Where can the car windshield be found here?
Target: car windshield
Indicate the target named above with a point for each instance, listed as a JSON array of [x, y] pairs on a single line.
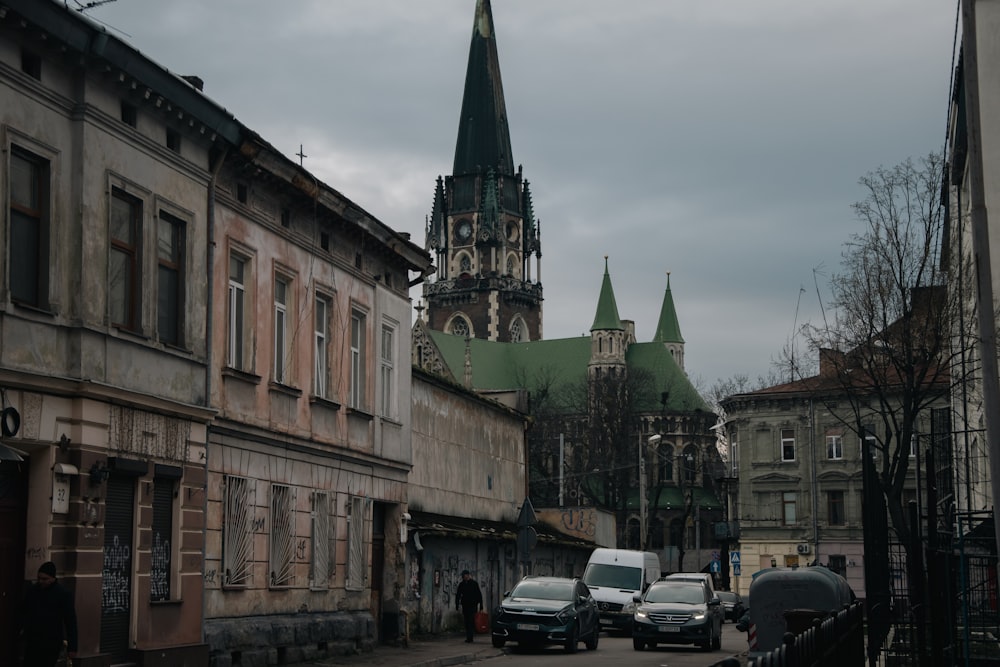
[[544, 590], [613, 576], [685, 594]]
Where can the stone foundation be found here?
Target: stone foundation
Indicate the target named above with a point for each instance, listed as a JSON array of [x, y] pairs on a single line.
[[282, 639]]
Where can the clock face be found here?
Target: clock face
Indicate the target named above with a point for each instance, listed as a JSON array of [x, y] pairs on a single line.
[[464, 230], [512, 231]]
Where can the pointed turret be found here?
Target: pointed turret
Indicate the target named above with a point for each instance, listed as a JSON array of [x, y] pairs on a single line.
[[668, 328], [483, 133], [607, 318], [609, 336]]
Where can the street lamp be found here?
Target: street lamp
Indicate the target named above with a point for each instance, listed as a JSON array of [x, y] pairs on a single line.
[[651, 442]]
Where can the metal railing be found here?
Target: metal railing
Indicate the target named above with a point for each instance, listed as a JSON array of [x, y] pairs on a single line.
[[835, 641]]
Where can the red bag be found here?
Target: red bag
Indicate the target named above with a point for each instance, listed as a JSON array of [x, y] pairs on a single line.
[[482, 622]]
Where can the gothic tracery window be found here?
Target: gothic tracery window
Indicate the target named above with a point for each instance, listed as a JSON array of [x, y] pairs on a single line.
[[460, 327]]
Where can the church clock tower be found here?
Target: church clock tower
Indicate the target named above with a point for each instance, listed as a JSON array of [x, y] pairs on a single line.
[[482, 230]]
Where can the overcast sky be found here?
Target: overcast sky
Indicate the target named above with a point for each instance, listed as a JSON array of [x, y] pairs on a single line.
[[719, 140]]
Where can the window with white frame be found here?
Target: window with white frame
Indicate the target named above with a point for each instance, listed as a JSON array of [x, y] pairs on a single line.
[[239, 275], [834, 447], [282, 542], [787, 444], [321, 562], [388, 371], [237, 531], [282, 345], [321, 347], [356, 554], [788, 508], [28, 247], [358, 363]]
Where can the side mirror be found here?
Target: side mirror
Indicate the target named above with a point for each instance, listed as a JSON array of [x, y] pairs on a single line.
[[636, 598], [715, 601]]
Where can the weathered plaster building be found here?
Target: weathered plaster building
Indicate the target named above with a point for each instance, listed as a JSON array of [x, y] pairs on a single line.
[[202, 361], [799, 464], [973, 247], [105, 180]]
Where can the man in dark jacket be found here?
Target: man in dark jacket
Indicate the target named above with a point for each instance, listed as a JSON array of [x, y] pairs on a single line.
[[47, 619], [470, 598]]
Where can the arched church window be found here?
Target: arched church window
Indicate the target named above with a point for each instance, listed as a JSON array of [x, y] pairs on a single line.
[[510, 266], [465, 264], [667, 465], [518, 331], [690, 464], [460, 327]]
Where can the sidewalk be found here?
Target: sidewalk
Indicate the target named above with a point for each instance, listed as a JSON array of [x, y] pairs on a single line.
[[423, 651]]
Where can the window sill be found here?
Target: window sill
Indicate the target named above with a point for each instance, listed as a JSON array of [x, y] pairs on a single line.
[[279, 388], [131, 333], [391, 420], [324, 402], [237, 374], [166, 603], [358, 412], [38, 310]]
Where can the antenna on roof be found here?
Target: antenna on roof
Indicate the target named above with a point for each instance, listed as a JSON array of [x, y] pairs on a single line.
[[84, 6]]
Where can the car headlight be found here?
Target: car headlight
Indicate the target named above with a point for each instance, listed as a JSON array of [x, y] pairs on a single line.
[[641, 614], [698, 616], [629, 608], [565, 616]]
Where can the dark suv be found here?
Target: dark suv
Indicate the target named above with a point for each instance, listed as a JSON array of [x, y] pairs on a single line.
[[547, 610], [674, 612]]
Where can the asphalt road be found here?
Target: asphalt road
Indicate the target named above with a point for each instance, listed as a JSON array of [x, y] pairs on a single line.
[[618, 651]]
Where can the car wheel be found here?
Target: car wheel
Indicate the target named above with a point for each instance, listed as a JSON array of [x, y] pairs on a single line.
[[571, 639], [638, 644], [498, 642], [593, 639]]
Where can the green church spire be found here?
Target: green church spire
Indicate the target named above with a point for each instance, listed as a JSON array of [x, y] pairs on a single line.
[[483, 133], [607, 309], [668, 329]]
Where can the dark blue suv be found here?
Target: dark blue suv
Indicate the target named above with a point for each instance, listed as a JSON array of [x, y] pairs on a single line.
[[547, 610]]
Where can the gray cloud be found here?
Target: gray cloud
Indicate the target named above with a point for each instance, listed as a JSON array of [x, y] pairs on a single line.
[[720, 140]]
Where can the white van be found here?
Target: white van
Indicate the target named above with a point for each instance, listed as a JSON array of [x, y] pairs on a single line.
[[613, 577]]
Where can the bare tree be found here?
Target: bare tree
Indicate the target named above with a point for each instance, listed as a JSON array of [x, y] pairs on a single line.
[[890, 343], [888, 351]]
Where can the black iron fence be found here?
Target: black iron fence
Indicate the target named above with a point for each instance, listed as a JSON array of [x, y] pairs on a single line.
[[835, 641]]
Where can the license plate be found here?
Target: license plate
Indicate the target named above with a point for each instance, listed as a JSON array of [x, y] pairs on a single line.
[[670, 628], [527, 626]]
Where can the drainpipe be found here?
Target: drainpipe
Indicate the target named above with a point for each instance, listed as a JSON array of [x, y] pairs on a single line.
[[209, 319], [812, 478]]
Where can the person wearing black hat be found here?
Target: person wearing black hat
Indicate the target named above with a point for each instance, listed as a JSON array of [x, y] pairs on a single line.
[[470, 598], [48, 620]]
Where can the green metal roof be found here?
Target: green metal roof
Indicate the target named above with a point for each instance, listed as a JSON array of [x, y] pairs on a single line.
[[668, 327], [607, 309], [508, 366], [670, 497]]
